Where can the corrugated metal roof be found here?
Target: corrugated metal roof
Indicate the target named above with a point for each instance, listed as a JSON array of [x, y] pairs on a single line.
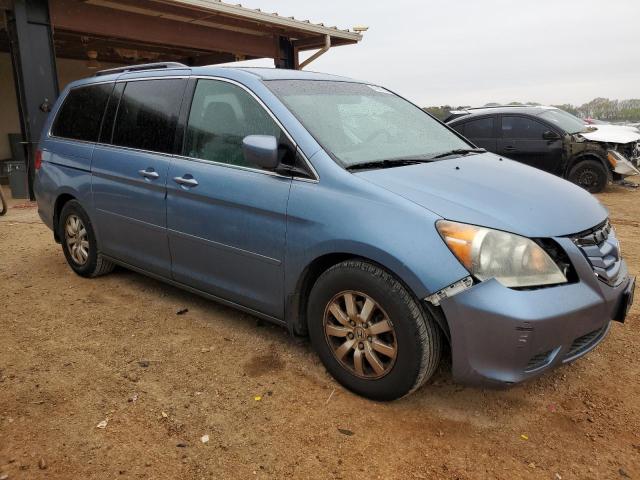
[[257, 15]]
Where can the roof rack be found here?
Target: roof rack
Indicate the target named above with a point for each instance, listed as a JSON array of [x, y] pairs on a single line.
[[144, 66], [507, 106]]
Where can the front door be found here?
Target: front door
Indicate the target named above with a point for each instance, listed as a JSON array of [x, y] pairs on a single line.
[[523, 140], [226, 218], [129, 173]]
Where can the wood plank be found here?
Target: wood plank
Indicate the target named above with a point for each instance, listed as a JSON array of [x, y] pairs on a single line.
[[95, 20]]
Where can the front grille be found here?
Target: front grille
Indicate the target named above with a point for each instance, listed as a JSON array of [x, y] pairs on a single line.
[[585, 342], [537, 361], [602, 249]]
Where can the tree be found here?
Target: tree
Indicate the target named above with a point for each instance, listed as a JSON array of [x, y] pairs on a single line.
[[441, 112], [601, 108], [567, 107]]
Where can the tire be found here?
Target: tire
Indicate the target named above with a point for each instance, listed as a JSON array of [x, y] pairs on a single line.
[[412, 346], [590, 175], [75, 243]]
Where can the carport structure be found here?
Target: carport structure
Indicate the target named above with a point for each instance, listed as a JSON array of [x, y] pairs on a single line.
[[105, 33]]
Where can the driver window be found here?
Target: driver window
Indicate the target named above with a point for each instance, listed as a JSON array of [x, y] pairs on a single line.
[[221, 115]]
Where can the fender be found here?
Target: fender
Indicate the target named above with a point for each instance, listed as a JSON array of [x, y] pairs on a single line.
[[331, 253], [55, 182], [587, 155], [61, 199]]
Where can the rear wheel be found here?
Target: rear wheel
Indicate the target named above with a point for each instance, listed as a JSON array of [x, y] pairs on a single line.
[[79, 242], [370, 333], [590, 175]]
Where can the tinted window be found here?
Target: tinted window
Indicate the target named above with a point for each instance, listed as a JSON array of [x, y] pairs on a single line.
[[110, 114], [80, 116], [459, 128], [481, 128], [147, 115], [221, 115], [522, 127]]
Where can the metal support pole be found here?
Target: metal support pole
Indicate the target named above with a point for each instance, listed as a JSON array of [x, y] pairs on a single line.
[[287, 57], [34, 68]]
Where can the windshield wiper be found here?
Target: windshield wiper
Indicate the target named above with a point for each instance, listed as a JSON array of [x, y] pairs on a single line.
[[411, 160], [388, 163], [459, 151]]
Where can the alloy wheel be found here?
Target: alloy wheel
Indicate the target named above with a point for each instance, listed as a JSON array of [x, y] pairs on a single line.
[[77, 239], [360, 334]]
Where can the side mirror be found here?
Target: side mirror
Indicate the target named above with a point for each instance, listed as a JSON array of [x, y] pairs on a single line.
[[261, 150], [550, 135]]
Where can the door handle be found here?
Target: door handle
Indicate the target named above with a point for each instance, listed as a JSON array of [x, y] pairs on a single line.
[[149, 173], [186, 181], [509, 148]]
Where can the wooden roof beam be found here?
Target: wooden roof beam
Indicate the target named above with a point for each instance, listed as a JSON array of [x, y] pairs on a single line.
[[95, 20]]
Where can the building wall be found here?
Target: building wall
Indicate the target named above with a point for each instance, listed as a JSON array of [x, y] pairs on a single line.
[[68, 70], [9, 117]]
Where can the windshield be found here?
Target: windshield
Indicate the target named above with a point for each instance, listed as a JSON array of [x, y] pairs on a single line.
[[359, 123], [569, 123]]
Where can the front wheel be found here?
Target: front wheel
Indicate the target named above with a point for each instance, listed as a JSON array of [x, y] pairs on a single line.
[[590, 175], [370, 333]]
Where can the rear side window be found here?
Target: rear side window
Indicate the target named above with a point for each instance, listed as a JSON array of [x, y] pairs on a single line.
[[522, 127], [148, 114], [81, 113], [221, 115], [481, 128]]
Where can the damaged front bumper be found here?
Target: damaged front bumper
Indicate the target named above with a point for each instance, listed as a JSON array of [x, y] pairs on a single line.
[[501, 336], [621, 165]]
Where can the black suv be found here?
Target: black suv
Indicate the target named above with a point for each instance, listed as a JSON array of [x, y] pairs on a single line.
[[549, 139]]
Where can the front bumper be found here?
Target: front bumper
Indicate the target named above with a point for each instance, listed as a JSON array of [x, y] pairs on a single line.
[[624, 166], [626, 169], [501, 336]]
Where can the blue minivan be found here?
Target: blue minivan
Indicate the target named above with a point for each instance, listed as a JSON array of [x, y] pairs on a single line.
[[337, 209]]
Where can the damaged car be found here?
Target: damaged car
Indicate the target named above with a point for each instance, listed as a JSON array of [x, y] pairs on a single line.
[[553, 140], [334, 208]]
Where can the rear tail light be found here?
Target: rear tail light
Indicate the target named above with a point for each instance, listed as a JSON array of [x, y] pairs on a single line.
[[37, 162]]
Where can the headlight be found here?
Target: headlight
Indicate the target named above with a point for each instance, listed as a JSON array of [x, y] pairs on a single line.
[[620, 164], [513, 260]]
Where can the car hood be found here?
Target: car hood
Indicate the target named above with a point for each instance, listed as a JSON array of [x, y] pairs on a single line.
[[612, 134], [492, 192]]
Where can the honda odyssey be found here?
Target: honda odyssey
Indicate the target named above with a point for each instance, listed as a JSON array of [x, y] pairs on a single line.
[[337, 209]]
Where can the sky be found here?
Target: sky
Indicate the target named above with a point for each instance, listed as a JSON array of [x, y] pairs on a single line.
[[471, 52]]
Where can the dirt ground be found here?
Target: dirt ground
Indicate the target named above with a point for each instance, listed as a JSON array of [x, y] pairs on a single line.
[[77, 352]]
